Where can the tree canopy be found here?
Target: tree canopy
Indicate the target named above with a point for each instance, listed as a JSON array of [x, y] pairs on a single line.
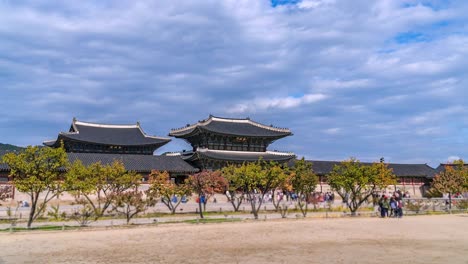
[[356, 182], [303, 181], [101, 181], [170, 193], [254, 180], [38, 170], [206, 184], [453, 179]]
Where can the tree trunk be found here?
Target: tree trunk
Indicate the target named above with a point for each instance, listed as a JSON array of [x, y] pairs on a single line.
[[33, 209], [236, 202], [302, 207], [200, 207], [253, 202], [450, 202], [275, 203]]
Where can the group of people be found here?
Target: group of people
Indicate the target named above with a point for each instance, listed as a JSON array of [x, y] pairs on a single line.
[[391, 206]]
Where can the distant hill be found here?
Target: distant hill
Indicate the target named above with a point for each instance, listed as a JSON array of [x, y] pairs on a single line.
[[5, 148]]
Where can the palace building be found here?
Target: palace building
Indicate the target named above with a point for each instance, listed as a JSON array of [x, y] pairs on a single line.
[[215, 142], [85, 137], [93, 142], [218, 141]]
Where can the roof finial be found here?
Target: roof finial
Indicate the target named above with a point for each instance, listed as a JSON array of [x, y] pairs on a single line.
[[74, 119]]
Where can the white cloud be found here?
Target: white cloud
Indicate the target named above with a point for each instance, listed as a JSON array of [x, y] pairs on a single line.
[[261, 104], [308, 4], [332, 131], [453, 158]]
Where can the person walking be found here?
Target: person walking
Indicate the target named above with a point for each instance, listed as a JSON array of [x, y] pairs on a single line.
[[385, 206], [399, 208], [393, 207]]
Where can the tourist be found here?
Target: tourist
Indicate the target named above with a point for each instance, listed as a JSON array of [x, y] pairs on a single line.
[[384, 207], [399, 208], [393, 207]]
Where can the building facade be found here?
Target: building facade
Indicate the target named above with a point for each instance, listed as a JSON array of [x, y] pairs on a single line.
[[215, 142], [218, 141], [129, 144]]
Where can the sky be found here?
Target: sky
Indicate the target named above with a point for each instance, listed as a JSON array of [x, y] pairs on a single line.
[[364, 79]]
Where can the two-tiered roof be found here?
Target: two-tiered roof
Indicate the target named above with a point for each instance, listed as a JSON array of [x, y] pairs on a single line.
[[217, 141]]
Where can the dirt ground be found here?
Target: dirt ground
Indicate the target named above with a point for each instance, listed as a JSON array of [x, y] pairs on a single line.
[[417, 239]]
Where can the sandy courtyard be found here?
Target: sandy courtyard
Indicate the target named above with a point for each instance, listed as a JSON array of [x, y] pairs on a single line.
[[422, 239]]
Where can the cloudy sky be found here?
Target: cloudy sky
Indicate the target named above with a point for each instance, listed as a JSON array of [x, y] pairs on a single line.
[[359, 78]]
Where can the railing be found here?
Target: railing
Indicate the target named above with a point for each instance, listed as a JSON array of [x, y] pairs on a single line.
[[427, 205]]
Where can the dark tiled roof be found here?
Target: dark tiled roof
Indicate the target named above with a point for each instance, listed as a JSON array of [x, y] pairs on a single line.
[[139, 163], [4, 151], [240, 156], [400, 170], [4, 167], [123, 135], [230, 126], [441, 167]]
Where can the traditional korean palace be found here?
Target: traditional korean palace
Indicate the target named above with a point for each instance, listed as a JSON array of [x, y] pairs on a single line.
[[218, 141], [215, 142], [92, 142]]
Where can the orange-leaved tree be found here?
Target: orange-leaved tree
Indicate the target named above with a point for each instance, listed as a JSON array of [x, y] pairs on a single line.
[[206, 184], [453, 179]]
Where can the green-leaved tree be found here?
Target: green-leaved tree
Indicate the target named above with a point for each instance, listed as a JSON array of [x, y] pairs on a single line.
[[356, 182], [255, 179], [168, 191], [303, 182], [37, 172], [98, 185]]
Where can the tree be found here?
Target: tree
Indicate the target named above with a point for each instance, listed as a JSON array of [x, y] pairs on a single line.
[[170, 193], [454, 179], [255, 179], [284, 184], [206, 184], [36, 170], [100, 184], [303, 181], [355, 182], [234, 192], [131, 203]]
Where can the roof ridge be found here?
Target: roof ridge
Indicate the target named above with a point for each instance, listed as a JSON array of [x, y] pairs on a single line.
[[211, 118], [84, 123]]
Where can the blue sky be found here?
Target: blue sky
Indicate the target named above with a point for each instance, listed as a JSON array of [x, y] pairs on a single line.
[[367, 79]]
